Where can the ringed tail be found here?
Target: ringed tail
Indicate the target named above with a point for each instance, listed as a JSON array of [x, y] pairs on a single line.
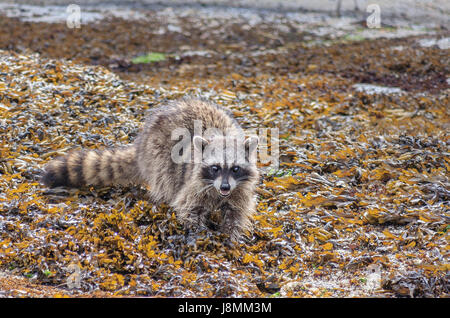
[[81, 168]]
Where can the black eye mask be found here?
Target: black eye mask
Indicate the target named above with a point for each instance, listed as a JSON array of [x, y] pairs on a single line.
[[214, 171]]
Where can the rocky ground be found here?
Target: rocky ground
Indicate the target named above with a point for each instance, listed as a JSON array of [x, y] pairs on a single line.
[[359, 205]]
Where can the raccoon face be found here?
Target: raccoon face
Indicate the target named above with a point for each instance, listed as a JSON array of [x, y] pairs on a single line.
[[222, 166]]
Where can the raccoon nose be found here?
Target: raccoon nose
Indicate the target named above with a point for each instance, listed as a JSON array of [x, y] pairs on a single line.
[[225, 189]]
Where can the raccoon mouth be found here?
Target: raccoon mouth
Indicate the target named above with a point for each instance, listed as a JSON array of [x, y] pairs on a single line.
[[224, 193]]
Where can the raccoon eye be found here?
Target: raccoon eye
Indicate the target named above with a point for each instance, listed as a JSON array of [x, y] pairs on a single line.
[[215, 168], [235, 169]]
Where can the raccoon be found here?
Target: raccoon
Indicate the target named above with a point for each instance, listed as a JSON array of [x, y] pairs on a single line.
[[212, 190]]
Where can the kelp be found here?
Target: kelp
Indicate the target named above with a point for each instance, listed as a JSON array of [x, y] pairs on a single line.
[[358, 206]]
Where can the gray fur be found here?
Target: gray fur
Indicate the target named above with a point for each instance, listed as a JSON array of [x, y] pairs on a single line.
[[181, 185]]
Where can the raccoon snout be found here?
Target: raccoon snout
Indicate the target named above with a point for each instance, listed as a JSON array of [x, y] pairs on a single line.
[[225, 189], [224, 185]]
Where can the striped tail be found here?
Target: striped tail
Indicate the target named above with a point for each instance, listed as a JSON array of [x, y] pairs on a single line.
[[81, 168]]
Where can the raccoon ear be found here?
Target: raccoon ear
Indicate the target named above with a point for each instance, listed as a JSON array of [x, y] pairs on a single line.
[[199, 142], [250, 144]]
